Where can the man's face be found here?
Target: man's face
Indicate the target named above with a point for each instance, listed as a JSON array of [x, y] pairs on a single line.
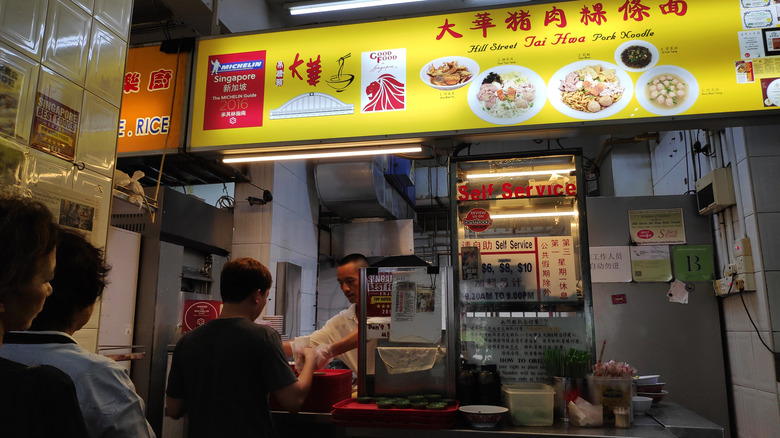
[[349, 281], [22, 307]]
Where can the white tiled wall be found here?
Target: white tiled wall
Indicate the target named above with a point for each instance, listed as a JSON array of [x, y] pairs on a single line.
[[48, 42], [284, 230], [754, 157]]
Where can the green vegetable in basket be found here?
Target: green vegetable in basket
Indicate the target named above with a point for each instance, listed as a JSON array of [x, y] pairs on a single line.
[[561, 363]]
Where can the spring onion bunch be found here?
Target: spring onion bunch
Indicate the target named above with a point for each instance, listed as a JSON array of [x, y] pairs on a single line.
[[561, 363]]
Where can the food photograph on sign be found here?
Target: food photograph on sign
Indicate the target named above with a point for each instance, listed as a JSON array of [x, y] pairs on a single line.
[[507, 94], [590, 89], [449, 72], [667, 90], [636, 55]]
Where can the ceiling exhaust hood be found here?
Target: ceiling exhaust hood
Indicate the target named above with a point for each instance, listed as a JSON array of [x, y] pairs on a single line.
[[359, 190]]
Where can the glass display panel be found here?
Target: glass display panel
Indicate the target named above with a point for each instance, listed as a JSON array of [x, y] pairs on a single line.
[[406, 337], [519, 249]]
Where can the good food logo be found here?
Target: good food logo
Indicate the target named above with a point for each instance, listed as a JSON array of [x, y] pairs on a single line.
[[477, 220]]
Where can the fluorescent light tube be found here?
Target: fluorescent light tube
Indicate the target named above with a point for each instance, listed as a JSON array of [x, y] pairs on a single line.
[[511, 174], [314, 8], [528, 215], [306, 155]]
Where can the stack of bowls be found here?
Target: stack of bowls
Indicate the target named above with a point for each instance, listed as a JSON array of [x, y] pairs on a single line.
[[649, 386]]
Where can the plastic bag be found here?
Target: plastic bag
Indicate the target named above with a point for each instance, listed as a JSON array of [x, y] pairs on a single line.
[[298, 344], [584, 414]]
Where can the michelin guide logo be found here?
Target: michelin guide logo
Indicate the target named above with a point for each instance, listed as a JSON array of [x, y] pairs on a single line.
[[233, 67]]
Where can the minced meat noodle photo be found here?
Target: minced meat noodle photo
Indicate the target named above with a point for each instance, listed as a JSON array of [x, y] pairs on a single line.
[[506, 95], [590, 89]]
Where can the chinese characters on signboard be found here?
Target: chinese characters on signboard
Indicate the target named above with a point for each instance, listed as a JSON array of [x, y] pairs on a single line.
[[521, 270], [517, 344]]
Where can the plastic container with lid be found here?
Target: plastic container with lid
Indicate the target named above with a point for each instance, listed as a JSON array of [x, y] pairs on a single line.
[[530, 404]]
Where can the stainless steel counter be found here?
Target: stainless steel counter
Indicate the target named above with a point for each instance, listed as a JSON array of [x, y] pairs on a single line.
[[663, 420]]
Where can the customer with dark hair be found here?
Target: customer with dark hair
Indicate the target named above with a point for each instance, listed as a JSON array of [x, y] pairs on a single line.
[[107, 396], [35, 401], [223, 371]]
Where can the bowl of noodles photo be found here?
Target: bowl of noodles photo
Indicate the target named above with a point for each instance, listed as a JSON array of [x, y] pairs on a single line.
[[449, 72], [590, 90], [507, 94], [636, 56], [667, 90]]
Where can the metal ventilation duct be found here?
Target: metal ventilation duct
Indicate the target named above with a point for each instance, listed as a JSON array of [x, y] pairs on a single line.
[[359, 190]]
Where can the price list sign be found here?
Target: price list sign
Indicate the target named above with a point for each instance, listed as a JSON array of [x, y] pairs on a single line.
[[524, 269], [517, 345]]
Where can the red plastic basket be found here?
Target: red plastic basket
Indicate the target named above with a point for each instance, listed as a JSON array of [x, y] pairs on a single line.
[[351, 413], [328, 387]]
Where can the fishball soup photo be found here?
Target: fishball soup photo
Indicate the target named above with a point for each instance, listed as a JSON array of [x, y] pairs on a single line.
[[666, 90]]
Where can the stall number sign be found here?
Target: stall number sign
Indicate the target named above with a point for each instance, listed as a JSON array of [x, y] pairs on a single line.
[[693, 262], [517, 345], [521, 270]]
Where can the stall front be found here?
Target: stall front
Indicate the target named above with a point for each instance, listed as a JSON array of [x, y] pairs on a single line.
[[520, 253]]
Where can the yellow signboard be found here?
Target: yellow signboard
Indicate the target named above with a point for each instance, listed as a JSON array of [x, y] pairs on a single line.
[[480, 71]]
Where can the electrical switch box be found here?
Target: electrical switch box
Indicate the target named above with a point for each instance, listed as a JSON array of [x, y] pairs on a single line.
[[722, 286], [743, 264], [741, 247], [715, 191]]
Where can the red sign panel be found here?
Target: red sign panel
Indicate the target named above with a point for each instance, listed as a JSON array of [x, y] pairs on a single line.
[[477, 220], [198, 312], [235, 91]]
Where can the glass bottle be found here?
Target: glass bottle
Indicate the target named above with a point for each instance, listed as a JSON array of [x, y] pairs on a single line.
[[466, 387], [489, 382]]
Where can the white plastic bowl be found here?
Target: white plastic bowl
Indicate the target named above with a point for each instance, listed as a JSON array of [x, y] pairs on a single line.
[[483, 416], [647, 380], [641, 404]]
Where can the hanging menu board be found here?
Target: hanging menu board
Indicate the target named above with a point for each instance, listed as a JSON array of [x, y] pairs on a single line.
[[486, 70]]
